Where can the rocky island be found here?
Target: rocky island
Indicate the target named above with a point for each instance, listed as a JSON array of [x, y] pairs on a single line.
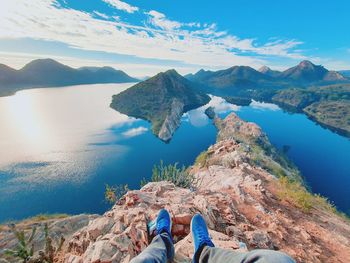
[[162, 100], [247, 191]]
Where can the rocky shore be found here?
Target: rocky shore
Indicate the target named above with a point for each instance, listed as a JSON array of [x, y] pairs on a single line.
[[239, 194]]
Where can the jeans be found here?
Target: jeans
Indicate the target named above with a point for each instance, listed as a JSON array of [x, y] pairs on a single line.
[[161, 250]]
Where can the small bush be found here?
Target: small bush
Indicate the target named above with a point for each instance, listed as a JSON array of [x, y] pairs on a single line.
[[25, 247], [171, 173], [201, 159], [143, 182], [114, 193]]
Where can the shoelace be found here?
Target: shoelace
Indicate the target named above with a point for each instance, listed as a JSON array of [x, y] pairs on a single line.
[[203, 237], [161, 225]]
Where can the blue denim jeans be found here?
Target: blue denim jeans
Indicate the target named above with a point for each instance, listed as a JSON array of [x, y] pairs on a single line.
[[161, 250]]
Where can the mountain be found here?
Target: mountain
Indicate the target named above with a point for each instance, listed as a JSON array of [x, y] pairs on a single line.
[[269, 72], [7, 74], [237, 76], [107, 75], [48, 73], [161, 100], [304, 73], [243, 81], [345, 73], [307, 72]]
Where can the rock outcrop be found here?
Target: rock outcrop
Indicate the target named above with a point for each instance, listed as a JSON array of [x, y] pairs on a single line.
[[172, 121], [239, 199]]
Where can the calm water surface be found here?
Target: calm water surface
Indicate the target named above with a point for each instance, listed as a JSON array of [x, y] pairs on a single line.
[[60, 146]]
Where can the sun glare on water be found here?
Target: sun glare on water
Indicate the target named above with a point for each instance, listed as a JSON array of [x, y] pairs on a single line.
[[26, 121]]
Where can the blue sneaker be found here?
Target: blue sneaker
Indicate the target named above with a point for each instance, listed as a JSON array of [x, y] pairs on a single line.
[[163, 223], [200, 235]]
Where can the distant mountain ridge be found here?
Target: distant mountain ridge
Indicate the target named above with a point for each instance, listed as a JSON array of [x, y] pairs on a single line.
[[48, 73], [162, 100], [238, 76], [244, 77], [307, 72], [268, 71]]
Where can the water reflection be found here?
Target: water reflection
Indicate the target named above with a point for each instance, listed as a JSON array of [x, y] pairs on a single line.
[[264, 106], [198, 118], [135, 131]]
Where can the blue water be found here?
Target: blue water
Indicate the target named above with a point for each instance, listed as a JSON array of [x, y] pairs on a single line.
[[322, 156], [60, 146], [72, 144]]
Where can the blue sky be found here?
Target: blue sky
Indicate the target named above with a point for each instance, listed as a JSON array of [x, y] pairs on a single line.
[[144, 37]]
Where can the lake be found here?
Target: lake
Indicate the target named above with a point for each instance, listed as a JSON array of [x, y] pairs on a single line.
[[59, 147]]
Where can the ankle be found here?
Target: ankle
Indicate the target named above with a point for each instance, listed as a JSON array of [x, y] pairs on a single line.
[[198, 253]]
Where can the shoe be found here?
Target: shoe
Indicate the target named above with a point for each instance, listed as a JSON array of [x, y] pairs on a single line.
[[200, 234], [163, 223]]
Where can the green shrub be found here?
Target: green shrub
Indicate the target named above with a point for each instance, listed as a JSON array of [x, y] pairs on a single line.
[[114, 193], [171, 173]]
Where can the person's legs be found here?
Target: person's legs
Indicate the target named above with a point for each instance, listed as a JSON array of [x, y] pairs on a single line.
[[212, 254], [205, 252], [162, 248], [159, 251], [200, 236]]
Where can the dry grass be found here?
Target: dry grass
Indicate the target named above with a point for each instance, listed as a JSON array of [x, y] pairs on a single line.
[[31, 220], [295, 193], [201, 159]]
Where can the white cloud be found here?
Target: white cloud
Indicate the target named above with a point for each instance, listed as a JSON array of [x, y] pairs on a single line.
[[160, 38], [101, 15], [121, 5], [135, 131], [159, 20]]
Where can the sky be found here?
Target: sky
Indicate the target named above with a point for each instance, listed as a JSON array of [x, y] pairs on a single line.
[[144, 37]]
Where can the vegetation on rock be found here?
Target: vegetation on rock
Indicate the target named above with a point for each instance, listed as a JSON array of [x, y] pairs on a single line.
[[114, 193], [25, 250], [180, 177], [201, 159], [296, 193]]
